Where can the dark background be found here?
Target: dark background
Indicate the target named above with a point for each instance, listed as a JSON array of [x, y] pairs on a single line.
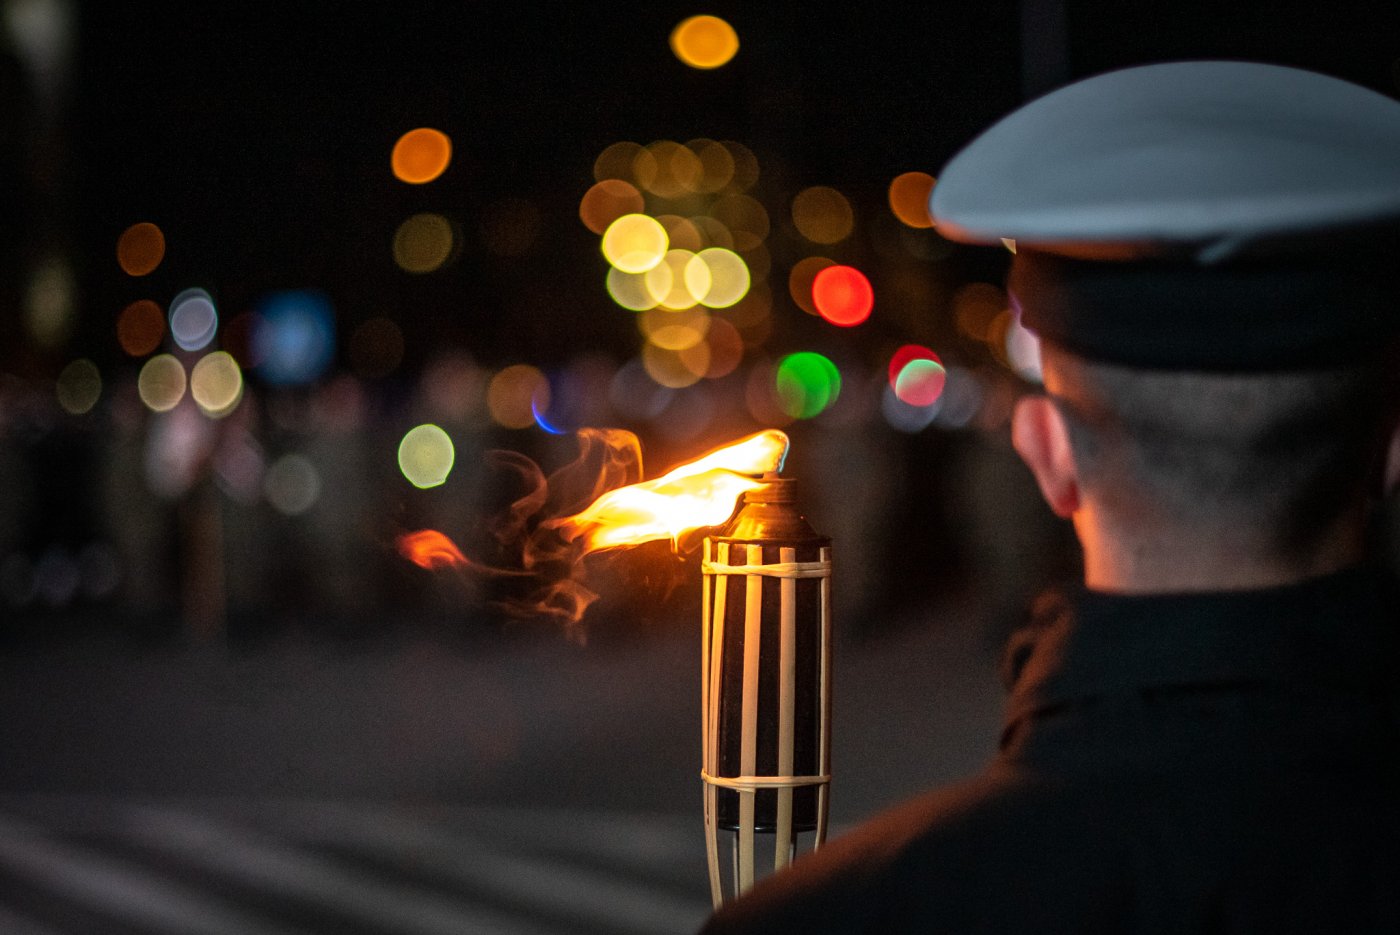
[[258, 137]]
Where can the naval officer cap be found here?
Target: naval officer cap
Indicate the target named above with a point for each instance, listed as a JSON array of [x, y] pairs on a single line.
[[1204, 215]]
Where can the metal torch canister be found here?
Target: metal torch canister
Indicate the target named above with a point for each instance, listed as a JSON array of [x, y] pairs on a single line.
[[765, 687]]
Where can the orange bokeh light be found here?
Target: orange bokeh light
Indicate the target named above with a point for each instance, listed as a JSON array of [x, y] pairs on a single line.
[[909, 194], [704, 42], [421, 155], [607, 201], [843, 295], [140, 248], [140, 327]]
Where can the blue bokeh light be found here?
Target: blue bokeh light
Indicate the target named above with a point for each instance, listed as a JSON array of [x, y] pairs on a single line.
[[294, 336]]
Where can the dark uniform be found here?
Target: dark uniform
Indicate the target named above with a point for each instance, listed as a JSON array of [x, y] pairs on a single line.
[[1189, 763], [1184, 762]]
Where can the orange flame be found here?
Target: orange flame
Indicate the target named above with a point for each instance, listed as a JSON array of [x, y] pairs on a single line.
[[699, 493], [428, 548]]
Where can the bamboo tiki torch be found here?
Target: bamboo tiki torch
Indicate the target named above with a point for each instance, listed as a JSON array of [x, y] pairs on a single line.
[[765, 687]]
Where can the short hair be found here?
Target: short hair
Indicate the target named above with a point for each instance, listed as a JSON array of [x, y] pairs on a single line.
[[1273, 458]]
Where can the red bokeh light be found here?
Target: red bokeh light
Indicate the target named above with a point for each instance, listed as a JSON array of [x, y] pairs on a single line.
[[907, 353], [843, 295]]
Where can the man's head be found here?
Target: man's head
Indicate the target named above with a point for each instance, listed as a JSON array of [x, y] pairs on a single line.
[[1204, 249], [1167, 473]]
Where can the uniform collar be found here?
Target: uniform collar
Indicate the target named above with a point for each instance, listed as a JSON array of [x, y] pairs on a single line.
[[1336, 633]]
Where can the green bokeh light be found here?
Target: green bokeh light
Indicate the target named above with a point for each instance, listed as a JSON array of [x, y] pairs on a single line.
[[807, 384], [426, 456]]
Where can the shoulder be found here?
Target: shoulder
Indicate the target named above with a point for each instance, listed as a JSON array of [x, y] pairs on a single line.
[[927, 855]]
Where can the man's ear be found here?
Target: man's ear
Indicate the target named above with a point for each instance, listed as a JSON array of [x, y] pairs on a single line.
[[1041, 438]]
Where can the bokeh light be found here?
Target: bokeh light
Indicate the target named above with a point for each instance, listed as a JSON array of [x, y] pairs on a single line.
[[704, 42], [842, 295], [726, 348], [216, 384], [807, 384], [909, 194], [904, 416], [1023, 350], [975, 306], [631, 290], [822, 214], [426, 455], [293, 338], [140, 248], [676, 368], [674, 330], [140, 327], [745, 219], [193, 319], [716, 164], [421, 155], [679, 280], [627, 161], [800, 279], [607, 201], [79, 387], [50, 309], [515, 394], [729, 277], [745, 166], [634, 243], [678, 170], [423, 243], [292, 485], [682, 233], [161, 383], [376, 348], [920, 382]]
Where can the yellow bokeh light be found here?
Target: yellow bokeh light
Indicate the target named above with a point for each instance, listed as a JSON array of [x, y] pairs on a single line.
[[681, 232], [729, 277], [678, 170], [515, 394], [607, 201], [421, 155], [822, 214], [630, 162], [744, 217], [674, 331], [712, 232], [634, 243], [140, 249], [423, 243], [426, 456], [716, 164], [676, 369], [79, 387], [909, 194], [745, 166], [704, 42], [631, 290], [161, 383], [679, 280], [216, 384]]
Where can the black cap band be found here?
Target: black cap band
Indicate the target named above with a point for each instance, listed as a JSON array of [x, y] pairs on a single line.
[[1295, 313]]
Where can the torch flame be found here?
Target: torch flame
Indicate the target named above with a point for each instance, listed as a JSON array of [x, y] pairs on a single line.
[[699, 493], [428, 548]]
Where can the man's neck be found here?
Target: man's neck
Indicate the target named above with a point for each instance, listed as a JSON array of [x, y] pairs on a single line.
[[1168, 561]]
